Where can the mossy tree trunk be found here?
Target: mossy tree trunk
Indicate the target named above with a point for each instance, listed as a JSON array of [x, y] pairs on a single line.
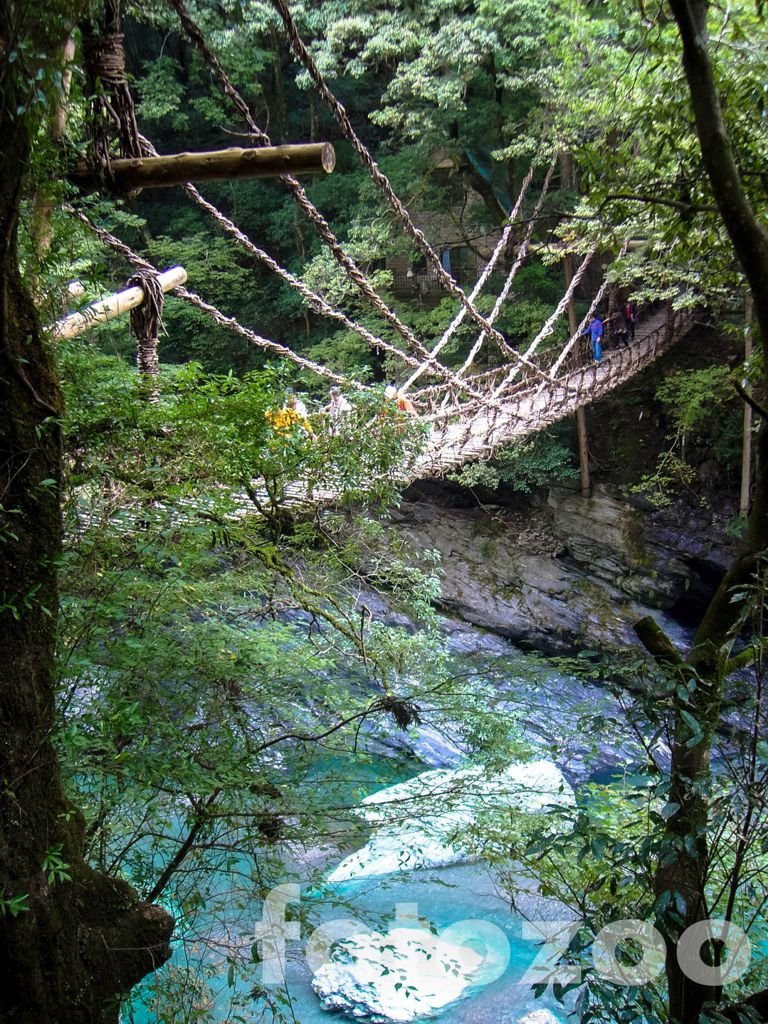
[[77, 944]]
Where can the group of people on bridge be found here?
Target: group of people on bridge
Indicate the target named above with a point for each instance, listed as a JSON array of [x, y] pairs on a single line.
[[626, 321], [293, 413]]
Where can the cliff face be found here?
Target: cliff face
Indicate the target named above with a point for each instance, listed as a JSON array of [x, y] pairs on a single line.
[[560, 572], [567, 572]]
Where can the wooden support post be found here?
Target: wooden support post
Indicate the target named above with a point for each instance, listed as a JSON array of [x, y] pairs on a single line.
[[581, 430], [107, 309], [217, 165], [746, 444], [581, 419]]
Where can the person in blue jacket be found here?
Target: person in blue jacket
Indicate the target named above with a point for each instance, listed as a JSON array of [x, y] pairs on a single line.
[[595, 332]]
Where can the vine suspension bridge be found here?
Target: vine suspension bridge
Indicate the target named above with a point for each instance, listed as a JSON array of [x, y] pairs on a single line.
[[472, 413]]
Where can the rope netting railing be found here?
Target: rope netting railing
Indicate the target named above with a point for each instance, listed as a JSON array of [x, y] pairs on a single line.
[[482, 280], [521, 256], [381, 180], [431, 395], [534, 409], [549, 325], [573, 341], [313, 214]]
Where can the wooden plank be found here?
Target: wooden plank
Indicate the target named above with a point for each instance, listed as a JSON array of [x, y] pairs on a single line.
[[107, 309], [216, 165]]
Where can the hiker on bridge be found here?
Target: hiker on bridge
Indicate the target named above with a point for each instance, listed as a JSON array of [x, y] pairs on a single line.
[[595, 334], [403, 404], [621, 331], [292, 414], [337, 409], [630, 318]]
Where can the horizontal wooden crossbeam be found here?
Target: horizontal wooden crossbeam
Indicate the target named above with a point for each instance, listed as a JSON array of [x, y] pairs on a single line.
[[107, 309], [216, 165]]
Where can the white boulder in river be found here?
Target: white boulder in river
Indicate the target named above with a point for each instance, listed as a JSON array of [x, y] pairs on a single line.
[[403, 974], [419, 823]]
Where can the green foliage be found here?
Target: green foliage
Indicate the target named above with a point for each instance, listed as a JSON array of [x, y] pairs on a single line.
[[638, 156], [55, 868], [220, 667], [222, 276], [702, 410], [13, 905], [693, 396], [539, 462], [161, 92]]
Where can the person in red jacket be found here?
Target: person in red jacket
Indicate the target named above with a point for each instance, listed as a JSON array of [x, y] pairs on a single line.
[[403, 404]]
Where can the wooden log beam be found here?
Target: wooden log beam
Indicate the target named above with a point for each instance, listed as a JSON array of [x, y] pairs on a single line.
[[216, 165], [107, 309]]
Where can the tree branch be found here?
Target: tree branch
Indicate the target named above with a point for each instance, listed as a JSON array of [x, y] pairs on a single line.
[[677, 204]]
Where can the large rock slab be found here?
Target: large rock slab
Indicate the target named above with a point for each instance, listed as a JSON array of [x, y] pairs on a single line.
[[399, 976], [517, 580], [420, 823]]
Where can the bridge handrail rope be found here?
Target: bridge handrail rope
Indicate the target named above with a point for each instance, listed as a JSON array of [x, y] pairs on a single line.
[[137, 261], [574, 341], [315, 301], [521, 256], [455, 444], [293, 185], [301, 51], [313, 214], [489, 268], [251, 336]]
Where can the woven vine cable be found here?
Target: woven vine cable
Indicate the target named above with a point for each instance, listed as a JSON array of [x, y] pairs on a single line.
[[146, 320], [112, 110], [382, 181], [429, 391], [522, 253], [313, 214], [324, 307], [221, 318], [459, 318], [315, 301]]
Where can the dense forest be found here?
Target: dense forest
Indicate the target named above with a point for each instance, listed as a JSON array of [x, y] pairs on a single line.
[[216, 646]]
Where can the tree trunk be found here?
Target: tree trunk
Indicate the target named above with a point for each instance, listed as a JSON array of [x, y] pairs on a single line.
[[746, 439], [78, 944], [686, 829]]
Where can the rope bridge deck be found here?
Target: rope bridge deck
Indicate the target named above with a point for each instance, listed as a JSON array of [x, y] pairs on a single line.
[[539, 406], [463, 437]]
